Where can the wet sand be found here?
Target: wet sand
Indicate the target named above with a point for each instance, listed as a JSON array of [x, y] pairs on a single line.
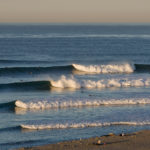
[[134, 141]]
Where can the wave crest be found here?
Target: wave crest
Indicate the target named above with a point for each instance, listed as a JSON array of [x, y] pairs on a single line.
[[81, 125], [65, 82], [78, 103], [103, 69]]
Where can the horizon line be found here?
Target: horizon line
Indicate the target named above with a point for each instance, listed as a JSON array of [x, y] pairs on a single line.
[[74, 23]]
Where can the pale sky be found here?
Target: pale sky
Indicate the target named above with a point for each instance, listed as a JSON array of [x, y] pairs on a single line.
[[75, 11]]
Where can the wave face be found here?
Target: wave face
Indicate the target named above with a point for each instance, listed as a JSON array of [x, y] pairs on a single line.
[[142, 67], [30, 70], [78, 103], [65, 82], [81, 125], [111, 68], [32, 85], [7, 105]]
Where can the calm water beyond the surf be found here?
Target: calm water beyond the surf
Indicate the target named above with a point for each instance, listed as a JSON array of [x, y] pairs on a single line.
[[64, 82]]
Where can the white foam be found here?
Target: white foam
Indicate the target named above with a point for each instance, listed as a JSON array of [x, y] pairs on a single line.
[[65, 82], [79, 103], [111, 68], [81, 125], [21, 104], [109, 83]]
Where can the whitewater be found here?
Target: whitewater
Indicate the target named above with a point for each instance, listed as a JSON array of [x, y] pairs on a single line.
[[81, 125], [48, 104], [110, 68], [71, 82]]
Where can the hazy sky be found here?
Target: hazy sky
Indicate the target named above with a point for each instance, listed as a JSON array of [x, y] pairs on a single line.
[[54, 11]]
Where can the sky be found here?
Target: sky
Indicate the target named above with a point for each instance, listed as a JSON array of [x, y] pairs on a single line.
[[75, 11]]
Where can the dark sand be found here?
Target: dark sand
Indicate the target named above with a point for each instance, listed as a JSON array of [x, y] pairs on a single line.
[[135, 141]]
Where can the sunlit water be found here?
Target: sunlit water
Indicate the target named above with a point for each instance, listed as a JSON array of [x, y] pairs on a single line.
[[63, 82]]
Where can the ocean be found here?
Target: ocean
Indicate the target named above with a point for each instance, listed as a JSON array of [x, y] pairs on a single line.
[[65, 82]]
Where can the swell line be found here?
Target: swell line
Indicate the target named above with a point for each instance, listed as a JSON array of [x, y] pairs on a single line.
[[30, 70], [145, 36], [50, 104], [60, 103], [72, 83], [80, 125], [87, 69], [33, 85]]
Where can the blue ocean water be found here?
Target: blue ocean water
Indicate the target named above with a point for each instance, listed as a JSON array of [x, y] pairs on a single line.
[[64, 82]]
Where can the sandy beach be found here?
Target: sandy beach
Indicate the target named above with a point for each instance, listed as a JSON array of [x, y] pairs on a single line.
[[134, 141]]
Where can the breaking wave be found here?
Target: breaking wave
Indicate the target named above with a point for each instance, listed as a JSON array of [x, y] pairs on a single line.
[[89, 69], [71, 82], [64, 82], [60, 103], [47, 104], [111, 68], [81, 125]]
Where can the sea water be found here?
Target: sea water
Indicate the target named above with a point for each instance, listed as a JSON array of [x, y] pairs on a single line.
[[64, 82]]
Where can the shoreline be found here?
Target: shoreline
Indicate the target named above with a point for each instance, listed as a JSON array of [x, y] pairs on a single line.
[[137, 140]]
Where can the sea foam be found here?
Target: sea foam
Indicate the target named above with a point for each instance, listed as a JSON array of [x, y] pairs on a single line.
[[43, 104], [103, 69], [81, 125], [65, 82]]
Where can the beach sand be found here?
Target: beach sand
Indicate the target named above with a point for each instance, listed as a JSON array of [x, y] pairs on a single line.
[[134, 141]]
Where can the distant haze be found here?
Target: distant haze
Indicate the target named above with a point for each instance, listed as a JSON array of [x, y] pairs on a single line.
[[86, 11]]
